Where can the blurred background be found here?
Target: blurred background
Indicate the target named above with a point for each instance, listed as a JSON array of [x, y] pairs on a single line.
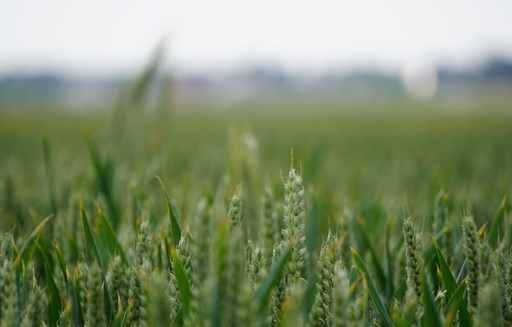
[[383, 101], [77, 54]]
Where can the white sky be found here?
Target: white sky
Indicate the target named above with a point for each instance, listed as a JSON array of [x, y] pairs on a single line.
[[107, 36]]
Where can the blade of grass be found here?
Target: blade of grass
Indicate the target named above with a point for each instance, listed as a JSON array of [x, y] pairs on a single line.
[[173, 216], [451, 285], [183, 283], [90, 245], [309, 296], [311, 238], [429, 254], [62, 262], [54, 299], [168, 252], [372, 290], [389, 260], [431, 316], [497, 223], [103, 174], [110, 236], [456, 301], [262, 294], [381, 276], [462, 273], [448, 279], [120, 319], [219, 265], [76, 313], [26, 252]]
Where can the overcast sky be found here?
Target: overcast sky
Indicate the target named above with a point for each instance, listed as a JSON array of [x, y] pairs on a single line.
[[110, 36]]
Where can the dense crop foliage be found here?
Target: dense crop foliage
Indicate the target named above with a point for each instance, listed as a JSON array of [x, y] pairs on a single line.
[[249, 251], [381, 218]]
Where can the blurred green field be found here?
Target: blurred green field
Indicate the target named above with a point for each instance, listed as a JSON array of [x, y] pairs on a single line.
[[365, 168], [392, 157]]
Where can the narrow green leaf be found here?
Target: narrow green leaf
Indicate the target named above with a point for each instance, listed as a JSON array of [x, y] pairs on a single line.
[[108, 304], [390, 288], [173, 216], [451, 286], [221, 252], [127, 312], [431, 269], [462, 273], [90, 246], [103, 175], [310, 295], [372, 290], [429, 253], [464, 316], [29, 247], [110, 236], [448, 279], [311, 239], [381, 276], [497, 223], [76, 313], [183, 282], [272, 279], [54, 299], [120, 319], [431, 316], [62, 262], [168, 252], [454, 302]]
